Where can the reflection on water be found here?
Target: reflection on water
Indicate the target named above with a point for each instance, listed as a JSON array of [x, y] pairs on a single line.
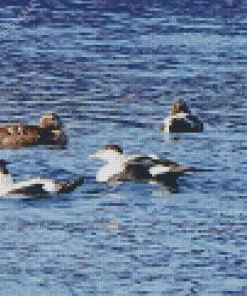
[[111, 71]]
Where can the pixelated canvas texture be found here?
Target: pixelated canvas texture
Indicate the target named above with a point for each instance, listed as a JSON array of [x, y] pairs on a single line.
[[155, 92]]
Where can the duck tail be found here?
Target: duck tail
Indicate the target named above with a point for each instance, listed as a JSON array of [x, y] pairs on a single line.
[[194, 169], [66, 187]]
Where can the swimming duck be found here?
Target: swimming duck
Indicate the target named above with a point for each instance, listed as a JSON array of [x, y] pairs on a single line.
[[135, 167], [180, 120], [48, 132], [37, 186]]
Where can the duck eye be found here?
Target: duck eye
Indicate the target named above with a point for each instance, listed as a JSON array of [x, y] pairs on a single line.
[[10, 131]]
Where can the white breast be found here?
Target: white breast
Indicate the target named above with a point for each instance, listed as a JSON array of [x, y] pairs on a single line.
[[167, 123], [106, 172], [6, 184]]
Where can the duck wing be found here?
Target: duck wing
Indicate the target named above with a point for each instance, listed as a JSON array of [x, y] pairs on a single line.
[[138, 167], [44, 186], [152, 166], [68, 186], [151, 160], [31, 190]]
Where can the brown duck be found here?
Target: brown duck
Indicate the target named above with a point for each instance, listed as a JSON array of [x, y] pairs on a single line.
[[48, 132]]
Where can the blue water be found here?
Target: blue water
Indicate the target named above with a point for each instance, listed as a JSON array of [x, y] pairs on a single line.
[[111, 70]]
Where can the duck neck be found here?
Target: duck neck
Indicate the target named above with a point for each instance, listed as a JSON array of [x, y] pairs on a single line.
[[114, 167], [117, 160]]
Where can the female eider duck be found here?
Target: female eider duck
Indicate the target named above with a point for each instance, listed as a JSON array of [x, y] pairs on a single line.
[[35, 186], [180, 120], [135, 167], [48, 132]]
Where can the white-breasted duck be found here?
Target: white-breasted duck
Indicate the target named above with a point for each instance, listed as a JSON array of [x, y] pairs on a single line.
[[37, 186], [136, 167]]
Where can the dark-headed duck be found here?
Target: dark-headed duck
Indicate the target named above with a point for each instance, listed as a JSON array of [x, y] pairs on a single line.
[[48, 132], [180, 120]]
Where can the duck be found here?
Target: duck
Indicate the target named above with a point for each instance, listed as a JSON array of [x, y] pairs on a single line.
[[181, 120], [37, 186], [48, 132], [136, 167]]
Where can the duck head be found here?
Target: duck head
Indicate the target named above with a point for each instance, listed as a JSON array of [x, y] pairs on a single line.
[[3, 166], [109, 153], [179, 106], [50, 121]]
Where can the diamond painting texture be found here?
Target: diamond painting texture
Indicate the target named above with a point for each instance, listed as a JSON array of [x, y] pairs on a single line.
[[158, 90]]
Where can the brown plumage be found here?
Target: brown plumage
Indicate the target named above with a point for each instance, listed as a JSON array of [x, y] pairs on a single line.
[[49, 132]]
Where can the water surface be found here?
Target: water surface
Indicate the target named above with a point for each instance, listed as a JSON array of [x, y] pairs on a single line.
[[112, 71]]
